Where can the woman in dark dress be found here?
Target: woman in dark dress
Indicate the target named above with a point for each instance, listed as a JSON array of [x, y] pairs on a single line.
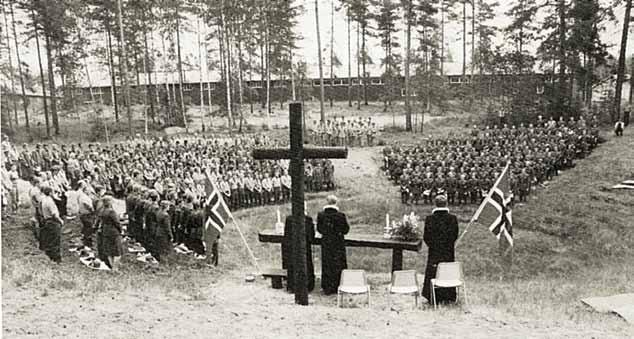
[[441, 232], [332, 225], [110, 234]]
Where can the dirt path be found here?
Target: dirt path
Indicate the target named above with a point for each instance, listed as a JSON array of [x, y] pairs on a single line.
[[360, 162]]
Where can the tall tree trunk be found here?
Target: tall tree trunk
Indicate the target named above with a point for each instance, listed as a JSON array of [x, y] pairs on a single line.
[[267, 47], [589, 81], [200, 70], [20, 72], [240, 76], [364, 60], [227, 72], [229, 63], [349, 62], [631, 81], [332, 52], [408, 43], [155, 71], [43, 80], [168, 115], [148, 72], [180, 70], [464, 41], [124, 75], [473, 48], [250, 89], [442, 38], [620, 73], [358, 68], [51, 83], [221, 55], [262, 71], [13, 95], [206, 44], [561, 85], [322, 114], [293, 89], [113, 84]]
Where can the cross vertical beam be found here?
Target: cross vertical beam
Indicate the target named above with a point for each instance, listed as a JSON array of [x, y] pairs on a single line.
[[297, 153], [297, 198]]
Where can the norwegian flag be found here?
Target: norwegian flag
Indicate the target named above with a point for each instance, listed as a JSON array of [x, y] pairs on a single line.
[[496, 211], [217, 213]]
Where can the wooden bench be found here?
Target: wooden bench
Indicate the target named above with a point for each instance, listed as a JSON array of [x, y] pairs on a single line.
[[276, 275]]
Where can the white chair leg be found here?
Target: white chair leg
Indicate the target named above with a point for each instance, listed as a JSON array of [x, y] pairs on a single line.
[[368, 296], [433, 295], [389, 300], [416, 301], [464, 290], [338, 300]]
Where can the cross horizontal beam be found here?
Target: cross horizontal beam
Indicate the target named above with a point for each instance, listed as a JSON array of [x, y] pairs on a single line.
[[308, 153]]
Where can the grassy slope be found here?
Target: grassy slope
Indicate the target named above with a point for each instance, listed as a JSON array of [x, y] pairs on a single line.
[[573, 239]]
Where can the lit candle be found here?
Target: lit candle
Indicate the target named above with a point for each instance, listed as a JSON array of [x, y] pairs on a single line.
[[279, 219], [387, 220]]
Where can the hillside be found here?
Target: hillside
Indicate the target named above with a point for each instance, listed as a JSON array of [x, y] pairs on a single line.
[[574, 238]]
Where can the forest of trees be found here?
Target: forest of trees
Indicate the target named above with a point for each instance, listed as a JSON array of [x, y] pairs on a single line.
[[140, 42]]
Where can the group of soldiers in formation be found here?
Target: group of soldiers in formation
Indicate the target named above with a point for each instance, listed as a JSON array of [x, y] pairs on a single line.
[[163, 181], [353, 132], [465, 167]]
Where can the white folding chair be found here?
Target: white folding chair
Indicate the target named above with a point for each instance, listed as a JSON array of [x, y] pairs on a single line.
[[448, 274], [352, 282], [403, 282]]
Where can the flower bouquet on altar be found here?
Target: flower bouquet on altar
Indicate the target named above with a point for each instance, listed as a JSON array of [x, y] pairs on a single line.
[[406, 229]]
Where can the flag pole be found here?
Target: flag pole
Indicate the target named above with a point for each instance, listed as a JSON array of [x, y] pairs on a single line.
[[255, 261], [475, 216], [244, 240]]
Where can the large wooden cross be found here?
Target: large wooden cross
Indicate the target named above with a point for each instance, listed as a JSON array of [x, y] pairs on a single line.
[[297, 153]]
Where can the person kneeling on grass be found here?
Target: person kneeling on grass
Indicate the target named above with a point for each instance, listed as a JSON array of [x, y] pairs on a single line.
[[110, 234], [441, 232]]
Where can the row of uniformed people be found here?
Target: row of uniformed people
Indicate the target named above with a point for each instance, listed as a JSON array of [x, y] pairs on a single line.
[[350, 133], [160, 225]]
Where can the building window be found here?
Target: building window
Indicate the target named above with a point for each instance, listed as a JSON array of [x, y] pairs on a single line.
[[187, 87], [411, 93], [316, 83], [339, 82], [455, 79], [279, 84], [255, 84], [377, 81]]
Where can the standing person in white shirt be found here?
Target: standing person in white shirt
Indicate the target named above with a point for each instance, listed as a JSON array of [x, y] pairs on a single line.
[[51, 229]]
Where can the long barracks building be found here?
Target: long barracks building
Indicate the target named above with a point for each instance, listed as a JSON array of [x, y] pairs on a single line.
[[336, 87]]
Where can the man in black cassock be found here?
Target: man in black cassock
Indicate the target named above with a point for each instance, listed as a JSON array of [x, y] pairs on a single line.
[[441, 232], [332, 225], [288, 250]]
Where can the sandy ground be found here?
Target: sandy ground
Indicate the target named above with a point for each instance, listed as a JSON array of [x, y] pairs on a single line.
[[231, 308]]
